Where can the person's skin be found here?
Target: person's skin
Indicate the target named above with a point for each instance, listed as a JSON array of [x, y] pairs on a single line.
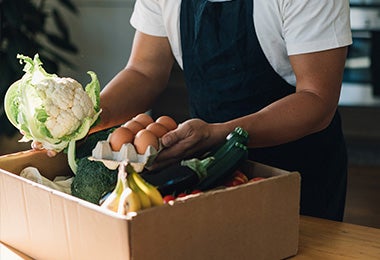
[[134, 89], [309, 110]]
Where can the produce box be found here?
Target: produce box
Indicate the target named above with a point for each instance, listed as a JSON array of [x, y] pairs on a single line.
[[256, 220]]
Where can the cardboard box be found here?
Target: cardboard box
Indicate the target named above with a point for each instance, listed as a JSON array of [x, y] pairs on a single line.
[[257, 220]]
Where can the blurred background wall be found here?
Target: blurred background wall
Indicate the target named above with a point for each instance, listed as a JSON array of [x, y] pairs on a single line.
[[103, 36]]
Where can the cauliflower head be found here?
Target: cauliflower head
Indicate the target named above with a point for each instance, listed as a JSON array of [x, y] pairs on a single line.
[[51, 110], [66, 105]]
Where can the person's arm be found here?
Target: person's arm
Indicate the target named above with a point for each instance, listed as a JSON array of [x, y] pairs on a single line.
[[135, 88], [309, 110]]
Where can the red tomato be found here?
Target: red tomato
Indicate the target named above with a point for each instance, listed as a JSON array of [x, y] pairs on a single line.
[[256, 179], [234, 182], [241, 175], [168, 198], [181, 195]]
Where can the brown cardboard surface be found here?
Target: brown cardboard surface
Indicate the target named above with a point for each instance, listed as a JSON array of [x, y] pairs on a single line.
[[238, 224], [48, 224], [48, 166], [9, 253], [252, 221]]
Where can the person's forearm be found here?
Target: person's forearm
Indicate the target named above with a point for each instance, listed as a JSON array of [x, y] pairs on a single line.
[[311, 109], [288, 119], [134, 89], [127, 94]]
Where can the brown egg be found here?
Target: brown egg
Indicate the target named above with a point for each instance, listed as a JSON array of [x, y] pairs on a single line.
[[143, 139], [119, 137], [143, 119], [157, 129], [167, 121], [133, 125]]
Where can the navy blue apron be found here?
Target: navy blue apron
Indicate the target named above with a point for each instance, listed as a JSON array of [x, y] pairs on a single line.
[[228, 76]]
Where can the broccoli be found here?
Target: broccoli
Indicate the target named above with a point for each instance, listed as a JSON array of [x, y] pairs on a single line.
[[93, 180]]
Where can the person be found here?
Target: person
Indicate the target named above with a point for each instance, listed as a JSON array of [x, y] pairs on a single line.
[[273, 67]]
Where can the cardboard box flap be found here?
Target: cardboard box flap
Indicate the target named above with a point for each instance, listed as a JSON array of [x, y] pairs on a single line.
[[49, 167], [255, 169]]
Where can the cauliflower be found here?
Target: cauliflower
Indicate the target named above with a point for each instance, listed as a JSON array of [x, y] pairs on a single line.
[[51, 110], [66, 104]]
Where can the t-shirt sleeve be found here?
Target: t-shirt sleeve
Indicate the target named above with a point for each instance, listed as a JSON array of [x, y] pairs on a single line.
[[147, 18], [316, 25]]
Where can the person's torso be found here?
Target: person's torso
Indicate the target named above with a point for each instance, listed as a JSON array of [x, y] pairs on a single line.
[[264, 11], [226, 71], [229, 76]]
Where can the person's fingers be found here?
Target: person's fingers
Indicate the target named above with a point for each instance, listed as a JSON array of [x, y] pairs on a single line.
[[169, 139], [51, 153], [173, 137], [36, 145]]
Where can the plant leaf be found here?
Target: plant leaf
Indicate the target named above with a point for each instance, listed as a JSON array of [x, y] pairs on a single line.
[[69, 5], [61, 43], [60, 24]]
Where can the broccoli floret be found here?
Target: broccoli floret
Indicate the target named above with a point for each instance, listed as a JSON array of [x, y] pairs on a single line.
[[93, 180]]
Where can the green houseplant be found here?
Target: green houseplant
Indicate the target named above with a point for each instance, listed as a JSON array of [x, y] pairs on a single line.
[[29, 27]]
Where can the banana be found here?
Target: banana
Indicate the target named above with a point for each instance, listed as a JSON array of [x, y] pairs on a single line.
[[129, 202], [112, 201], [144, 198], [122, 199], [152, 192]]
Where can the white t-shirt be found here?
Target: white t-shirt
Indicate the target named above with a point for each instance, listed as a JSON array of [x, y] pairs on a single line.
[[283, 27]]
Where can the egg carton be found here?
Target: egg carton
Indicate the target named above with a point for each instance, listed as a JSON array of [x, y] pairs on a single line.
[[127, 154]]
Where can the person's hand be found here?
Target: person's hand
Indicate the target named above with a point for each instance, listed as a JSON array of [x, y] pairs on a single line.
[[38, 146], [35, 145], [191, 138]]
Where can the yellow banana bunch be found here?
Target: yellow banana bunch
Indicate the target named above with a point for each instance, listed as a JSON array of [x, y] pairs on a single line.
[[122, 199], [144, 198], [149, 190], [131, 193]]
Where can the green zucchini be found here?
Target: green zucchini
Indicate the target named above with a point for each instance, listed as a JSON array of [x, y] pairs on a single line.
[[204, 173], [226, 159]]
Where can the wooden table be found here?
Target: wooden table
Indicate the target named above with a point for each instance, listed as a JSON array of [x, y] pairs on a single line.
[[324, 239], [319, 239]]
